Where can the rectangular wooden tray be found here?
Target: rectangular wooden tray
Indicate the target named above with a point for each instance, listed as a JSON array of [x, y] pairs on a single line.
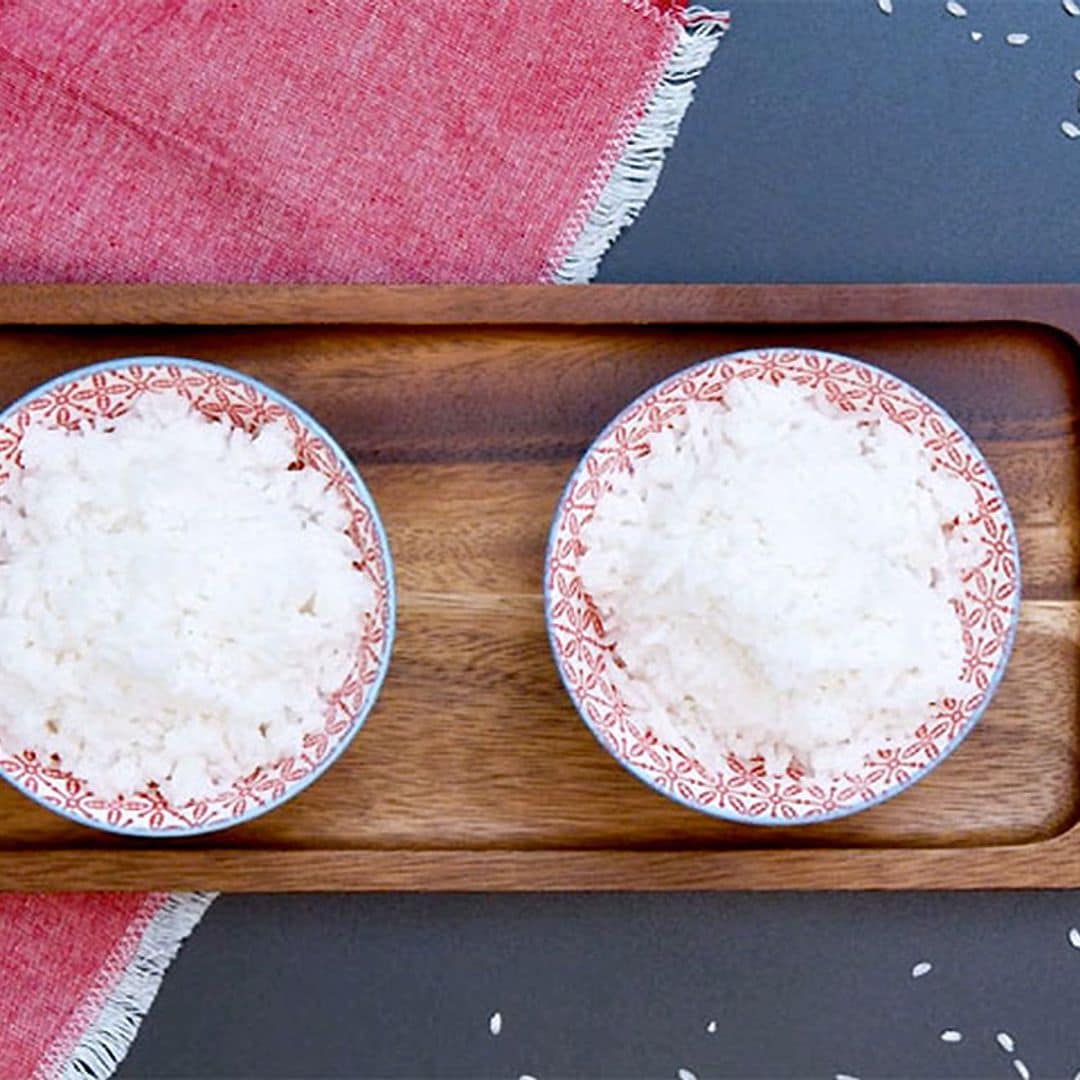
[[465, 409]]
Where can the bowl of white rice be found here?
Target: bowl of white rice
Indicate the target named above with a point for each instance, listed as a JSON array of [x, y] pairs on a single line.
[[196, 597], [781, 586]]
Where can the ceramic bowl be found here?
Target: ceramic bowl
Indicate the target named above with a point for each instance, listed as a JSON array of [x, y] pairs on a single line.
[[744, 790], [107, 390]]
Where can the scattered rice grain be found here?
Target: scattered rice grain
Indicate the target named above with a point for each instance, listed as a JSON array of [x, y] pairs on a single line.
[[495, 1023], [955, 8], [1017, 39], [1072, 7], [845, 1076], [686, 1074], [1074, 938], [1006, 1042], [1070, 131], [951, 1036], [976, 35], [710, 1027], [885, 6], [923, 967], [1021, 1069]]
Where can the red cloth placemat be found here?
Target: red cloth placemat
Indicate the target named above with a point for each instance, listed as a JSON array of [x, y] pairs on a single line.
[[325, 140], [267, 141], [77, 974]]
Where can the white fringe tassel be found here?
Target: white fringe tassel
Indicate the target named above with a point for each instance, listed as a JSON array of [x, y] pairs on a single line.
[[107, 1040], [637, 171]]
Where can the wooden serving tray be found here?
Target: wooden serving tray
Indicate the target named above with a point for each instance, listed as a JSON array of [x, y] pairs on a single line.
[[465, 409]]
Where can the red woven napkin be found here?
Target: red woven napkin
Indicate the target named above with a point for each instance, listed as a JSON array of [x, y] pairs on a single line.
[[329, 140], [78, 972], [261, 140]]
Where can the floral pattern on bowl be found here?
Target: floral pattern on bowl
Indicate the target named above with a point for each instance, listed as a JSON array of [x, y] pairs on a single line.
[[744, 790], [109, 389]]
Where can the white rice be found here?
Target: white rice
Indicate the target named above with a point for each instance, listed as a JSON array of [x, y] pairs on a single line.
[[176, 604], [776, 577]]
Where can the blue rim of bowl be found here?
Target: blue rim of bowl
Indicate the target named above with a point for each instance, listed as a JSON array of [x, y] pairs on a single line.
[[921, 770], [359, 486]]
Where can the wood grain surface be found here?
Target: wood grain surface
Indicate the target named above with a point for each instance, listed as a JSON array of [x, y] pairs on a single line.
[[465, 410]]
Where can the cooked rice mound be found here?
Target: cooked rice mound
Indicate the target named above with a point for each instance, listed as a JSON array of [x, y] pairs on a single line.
[[777, 577], [176, 603]]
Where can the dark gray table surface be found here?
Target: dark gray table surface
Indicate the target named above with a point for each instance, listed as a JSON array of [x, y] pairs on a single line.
[[828, 142]]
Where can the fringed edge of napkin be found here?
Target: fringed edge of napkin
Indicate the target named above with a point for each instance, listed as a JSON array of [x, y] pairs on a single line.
[[629, 172], [105, 1027]]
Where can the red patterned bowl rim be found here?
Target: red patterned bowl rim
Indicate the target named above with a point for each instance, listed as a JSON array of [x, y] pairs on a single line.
[[745, 792], [245, 401]]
